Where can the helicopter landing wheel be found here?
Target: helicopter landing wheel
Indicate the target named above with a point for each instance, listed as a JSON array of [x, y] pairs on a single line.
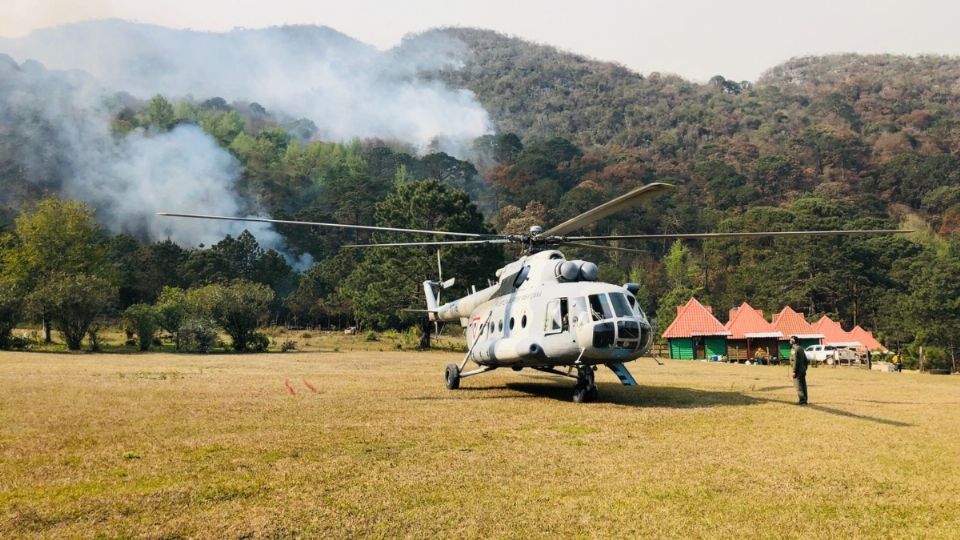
[[586, 388], [452, 376]]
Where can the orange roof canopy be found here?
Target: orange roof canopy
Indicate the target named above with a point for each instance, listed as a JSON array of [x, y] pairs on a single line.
[[694, 319]]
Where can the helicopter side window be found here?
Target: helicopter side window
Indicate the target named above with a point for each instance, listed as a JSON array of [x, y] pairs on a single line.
[[553, 320], [557, 317], [620, 305], [600, 307]]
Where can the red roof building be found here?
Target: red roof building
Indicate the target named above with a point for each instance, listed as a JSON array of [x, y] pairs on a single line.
[[866, 339], [790, 323], [834, 334], [696, 333], [694, 319], [750, 334]]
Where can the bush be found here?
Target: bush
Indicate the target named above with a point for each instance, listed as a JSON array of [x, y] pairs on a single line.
[[288, 345], [142, 320], [196, 336], [18, 343], [171, 309], [239, 307], [93, 337], [935, 358], [11, 310], [371, 336], [258, 342]]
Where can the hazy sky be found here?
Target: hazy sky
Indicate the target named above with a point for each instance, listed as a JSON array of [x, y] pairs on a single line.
[[738, 39]]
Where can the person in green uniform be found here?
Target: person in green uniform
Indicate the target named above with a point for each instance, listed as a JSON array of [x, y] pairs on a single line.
[[798, 366]]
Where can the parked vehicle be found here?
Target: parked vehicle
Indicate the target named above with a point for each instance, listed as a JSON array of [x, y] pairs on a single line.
[[830, 354]]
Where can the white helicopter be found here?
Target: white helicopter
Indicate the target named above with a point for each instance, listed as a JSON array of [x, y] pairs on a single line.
[[546, 312]]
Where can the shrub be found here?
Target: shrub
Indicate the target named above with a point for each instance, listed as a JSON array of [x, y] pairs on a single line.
[[196, 336], [18, 343], [371, 336], [93, 337], [171, 309], [288, 345], [141, 320], [258, 342]]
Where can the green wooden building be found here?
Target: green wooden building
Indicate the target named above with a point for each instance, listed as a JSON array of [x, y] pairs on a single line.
[[696, 333]]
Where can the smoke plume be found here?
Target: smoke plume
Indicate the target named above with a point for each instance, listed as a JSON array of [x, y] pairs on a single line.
[[57, 114], [347, 88], [55, 133]]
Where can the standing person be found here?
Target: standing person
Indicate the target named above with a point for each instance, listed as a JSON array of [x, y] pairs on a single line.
[[798, 366]]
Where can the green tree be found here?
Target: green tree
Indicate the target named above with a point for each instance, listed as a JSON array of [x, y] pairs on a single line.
[[389, 279], [239, 307], [57, 239], [222, 126], [172, 309], [143, 321], [160, 114], [932, 308], [11, 309], [73, 302]]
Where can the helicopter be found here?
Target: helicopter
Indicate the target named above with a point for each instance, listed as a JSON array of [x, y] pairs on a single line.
[[545, 312]]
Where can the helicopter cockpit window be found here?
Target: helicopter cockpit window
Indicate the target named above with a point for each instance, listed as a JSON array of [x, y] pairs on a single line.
[[635, 305], [600, 307], [620, 305]]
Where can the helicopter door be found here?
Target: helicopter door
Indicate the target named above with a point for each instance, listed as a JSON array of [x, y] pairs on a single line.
[[557, 317], [558, 340]]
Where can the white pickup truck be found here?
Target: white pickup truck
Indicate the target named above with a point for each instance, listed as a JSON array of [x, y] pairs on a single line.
[[831, 354]]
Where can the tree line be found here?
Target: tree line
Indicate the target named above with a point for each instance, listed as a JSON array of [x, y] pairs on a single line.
[[815, 144]]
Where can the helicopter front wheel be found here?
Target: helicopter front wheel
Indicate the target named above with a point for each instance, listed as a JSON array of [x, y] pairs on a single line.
[[586, 388], [452, 376]]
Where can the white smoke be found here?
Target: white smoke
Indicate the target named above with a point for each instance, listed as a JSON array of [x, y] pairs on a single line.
[[127, 179], [347, 88]]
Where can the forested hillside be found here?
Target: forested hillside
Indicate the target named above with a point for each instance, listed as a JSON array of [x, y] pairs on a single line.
[[816, 143]]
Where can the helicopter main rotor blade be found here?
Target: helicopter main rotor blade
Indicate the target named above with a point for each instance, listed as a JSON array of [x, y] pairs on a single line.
[[765, 234], [318, 224], [613, 206], [438, 243], [611, 248]]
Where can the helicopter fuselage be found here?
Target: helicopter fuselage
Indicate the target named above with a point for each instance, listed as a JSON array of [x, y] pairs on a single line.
[[546, 311]]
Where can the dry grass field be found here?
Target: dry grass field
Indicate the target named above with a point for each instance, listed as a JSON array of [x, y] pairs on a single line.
[[371, 444]]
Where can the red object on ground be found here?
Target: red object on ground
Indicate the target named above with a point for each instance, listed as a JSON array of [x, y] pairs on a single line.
[[289, 387], [310, 386]]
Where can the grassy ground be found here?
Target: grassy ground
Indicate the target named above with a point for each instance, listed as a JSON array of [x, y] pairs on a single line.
[[361, 444], [113, 340]]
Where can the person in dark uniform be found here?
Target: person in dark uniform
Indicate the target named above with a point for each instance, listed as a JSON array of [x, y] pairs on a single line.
[[798, 366]]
